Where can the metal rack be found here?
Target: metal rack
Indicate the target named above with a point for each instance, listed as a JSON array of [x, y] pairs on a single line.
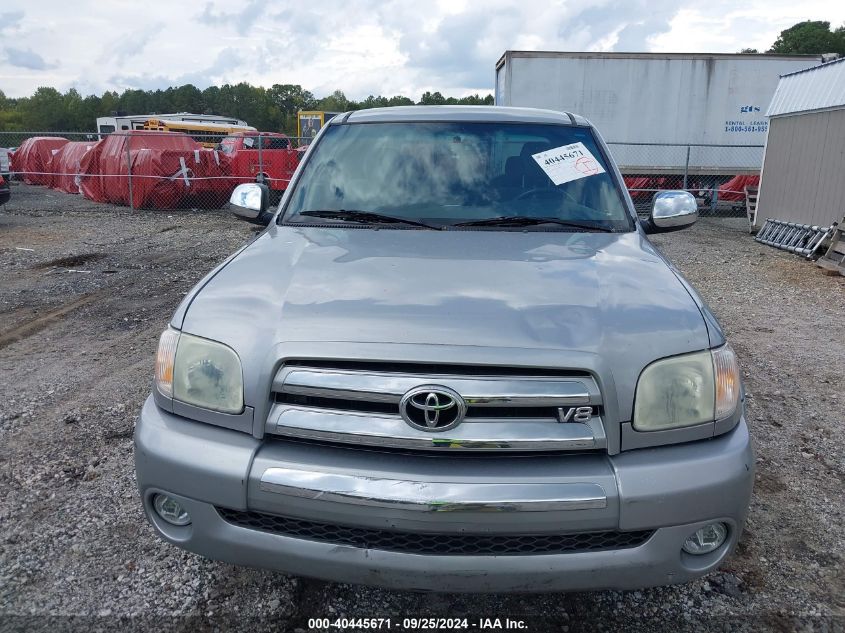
[[802, 239]]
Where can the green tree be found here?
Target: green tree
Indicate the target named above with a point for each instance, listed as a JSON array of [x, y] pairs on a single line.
[[290, 98], [109, 102], [11, 119], [45, 110], [372, 102], [285, 101], [188, 98], [476, 99], [430, 98], [810, 38], [335, 102], [400, 101], [135, 102]]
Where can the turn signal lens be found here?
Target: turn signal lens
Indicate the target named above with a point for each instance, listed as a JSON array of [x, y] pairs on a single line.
[[164, 361], [727, 381]]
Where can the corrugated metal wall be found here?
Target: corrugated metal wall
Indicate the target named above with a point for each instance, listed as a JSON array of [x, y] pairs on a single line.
[[812, 89], [804, 169]]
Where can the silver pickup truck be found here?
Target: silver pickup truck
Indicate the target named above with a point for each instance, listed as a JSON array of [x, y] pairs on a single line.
[[452, 361]]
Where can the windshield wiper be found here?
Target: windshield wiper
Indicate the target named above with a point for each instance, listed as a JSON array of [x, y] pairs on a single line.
[[521, 220], [365, 217]]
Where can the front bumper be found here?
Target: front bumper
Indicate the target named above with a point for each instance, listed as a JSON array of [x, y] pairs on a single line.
[[671, 490]]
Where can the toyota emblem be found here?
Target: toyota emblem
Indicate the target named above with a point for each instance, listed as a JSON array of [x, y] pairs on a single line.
[[432, 408]]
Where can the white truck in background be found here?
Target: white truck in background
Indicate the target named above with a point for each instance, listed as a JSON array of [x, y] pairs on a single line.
[[657, 98]]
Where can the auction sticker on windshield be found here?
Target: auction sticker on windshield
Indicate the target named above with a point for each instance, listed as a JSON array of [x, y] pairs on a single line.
[[568, 163]]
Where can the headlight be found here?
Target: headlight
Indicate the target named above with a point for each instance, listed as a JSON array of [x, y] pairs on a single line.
[[687, 390], [200, 372]]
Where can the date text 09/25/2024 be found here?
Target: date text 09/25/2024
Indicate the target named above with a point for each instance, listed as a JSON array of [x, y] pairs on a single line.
[[415, 624]]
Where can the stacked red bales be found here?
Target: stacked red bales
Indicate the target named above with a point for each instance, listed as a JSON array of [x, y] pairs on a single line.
[[638, 187], [734, 189], [169, 170], [64, 165], [32, 159], [643, 188]]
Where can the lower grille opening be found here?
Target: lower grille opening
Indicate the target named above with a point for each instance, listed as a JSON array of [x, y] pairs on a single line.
[[436, 544]]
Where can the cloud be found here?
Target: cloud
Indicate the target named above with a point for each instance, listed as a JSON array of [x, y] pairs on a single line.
[[636, 36], [127, 46], [10, 20], [28, 59], [243, 20], [622, 25], [213, 74]]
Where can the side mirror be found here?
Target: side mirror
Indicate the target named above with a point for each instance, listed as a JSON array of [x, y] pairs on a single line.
[[671, 211], [250, 202]]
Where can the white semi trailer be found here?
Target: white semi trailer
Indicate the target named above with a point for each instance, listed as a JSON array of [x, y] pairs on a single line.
[[681, 104]]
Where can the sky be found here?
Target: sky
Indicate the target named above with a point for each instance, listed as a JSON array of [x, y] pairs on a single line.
[[362, 47]]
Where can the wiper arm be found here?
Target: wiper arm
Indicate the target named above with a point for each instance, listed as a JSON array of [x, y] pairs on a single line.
[[521, 220], [367, 217]]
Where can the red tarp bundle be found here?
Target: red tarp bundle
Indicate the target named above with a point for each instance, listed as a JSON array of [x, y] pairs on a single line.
[[734, 189], [169, 170], [635, 183], [64, 165], [644, 187], [32, 158]]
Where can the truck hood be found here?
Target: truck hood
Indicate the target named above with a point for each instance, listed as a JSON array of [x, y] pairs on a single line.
[[609, 295]]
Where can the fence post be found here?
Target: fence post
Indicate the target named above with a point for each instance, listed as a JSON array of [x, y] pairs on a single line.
[[260, 158], [686, 167], [129, 171]]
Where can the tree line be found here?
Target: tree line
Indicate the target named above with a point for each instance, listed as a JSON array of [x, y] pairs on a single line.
[[268, 109], [811, 37]]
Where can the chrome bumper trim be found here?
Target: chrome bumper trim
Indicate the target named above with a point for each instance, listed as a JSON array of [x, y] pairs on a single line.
[[482, 391], [384, 430], [433, 496]]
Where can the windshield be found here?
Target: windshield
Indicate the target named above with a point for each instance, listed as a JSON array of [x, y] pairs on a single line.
[[447, 174]]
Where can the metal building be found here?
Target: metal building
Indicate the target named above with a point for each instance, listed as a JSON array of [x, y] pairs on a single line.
[[803, 176]]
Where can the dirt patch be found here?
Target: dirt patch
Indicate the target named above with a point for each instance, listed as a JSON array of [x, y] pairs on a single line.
[[32, 326], [72, 261]]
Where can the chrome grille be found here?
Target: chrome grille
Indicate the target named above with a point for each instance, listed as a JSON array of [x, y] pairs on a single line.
[[359, 404], [436, 544]]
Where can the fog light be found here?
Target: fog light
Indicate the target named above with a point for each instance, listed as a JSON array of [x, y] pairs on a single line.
[[170, 510], [706, 539]]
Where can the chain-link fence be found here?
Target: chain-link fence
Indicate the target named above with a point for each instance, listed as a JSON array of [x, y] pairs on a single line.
[[151, 169], [155, 169], [719, 176]]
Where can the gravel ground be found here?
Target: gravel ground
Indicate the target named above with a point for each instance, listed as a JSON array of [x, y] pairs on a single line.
[[86, 289]]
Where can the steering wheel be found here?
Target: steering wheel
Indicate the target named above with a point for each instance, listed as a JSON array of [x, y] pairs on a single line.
[[540, 192]]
